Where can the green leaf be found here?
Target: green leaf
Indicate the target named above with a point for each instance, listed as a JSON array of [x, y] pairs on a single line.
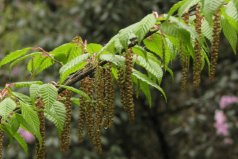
[[13, 56], [22, 97], [93, 48], [206, 29], [144, 87], [187, 4], [6, 107], [31, 121], [57, 115], [39, 63], [175, 7], [26, 84], [144, 78], [49, 94], [34, 90], [12, 134], [154, 44], [210, 7], [229, 33], [115, 59], [61, 53], [75, 101], [23, 58], [73, 66], [81, 93]]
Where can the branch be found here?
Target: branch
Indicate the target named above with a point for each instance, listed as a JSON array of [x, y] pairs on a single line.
[[79, 75]]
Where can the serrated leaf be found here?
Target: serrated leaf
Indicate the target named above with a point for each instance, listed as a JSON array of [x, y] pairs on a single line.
[[72, 66], [206, 29], [210, 7], [13, 56], [175, 7], [22, 97], [39, 63], [93, 48], [6, 107], [115, 59], [187, 4], [34, 90], [31, 121], [57, 115], [144, 78], [49, 94]]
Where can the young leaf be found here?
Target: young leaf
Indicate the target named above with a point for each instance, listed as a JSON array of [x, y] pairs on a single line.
[[49, 94], [6, 107], [13, 56], [144, 78], [57, 115], [73, 66], [26, 84]]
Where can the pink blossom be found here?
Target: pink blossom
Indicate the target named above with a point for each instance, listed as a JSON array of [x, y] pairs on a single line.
[[28, 137], [227, 100], [220, 123]]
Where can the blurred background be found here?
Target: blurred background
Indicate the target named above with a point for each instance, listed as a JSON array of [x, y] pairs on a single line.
[[199, 124]]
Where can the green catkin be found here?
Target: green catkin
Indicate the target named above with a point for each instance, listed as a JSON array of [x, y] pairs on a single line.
[[197, 50], [109, 97], [40, 147], [129, 85], [215, 44], [185, 60], [65, 135]]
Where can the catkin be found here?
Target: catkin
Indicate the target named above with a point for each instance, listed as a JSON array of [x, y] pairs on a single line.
[[99, 89], [40, 149], [215, 43], [197, 49], [185, 60], [109, 97], [65, 135], [129, 85], [82, 110]]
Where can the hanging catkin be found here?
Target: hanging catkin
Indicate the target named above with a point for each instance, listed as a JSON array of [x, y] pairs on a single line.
[[185, 59], [99, 89], [40, 149], [65, 134], [109, 97], [1, 142], [197, 49], [129, 85], [215, 43], [82, 110]]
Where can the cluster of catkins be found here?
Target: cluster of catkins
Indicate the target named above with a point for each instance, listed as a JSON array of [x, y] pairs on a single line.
[[96, 113], [198, 49]]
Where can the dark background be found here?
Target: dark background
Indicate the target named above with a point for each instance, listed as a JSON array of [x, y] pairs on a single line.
[[182, 128]]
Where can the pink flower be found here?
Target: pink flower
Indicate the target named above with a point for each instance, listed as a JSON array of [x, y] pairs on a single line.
[[28, 137], [221, 124], [227, 100]]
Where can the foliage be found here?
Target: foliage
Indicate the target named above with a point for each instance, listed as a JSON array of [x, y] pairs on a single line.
[[155, 42]]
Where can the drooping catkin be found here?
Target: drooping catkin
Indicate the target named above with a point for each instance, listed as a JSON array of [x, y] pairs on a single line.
[[40, 147], [185, 59], [215, 43], [197, 49], [65, 134], [129, 85], [99, 89], [82, 110], [109, 97]]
